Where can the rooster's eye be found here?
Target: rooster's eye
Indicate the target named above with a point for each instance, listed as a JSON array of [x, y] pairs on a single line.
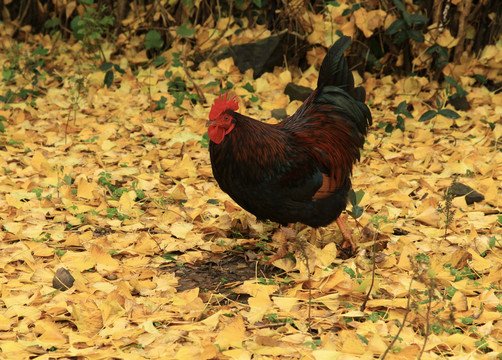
[[227, 118]]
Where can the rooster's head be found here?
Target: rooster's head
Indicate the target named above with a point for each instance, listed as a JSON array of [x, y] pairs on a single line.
[[220, 122]]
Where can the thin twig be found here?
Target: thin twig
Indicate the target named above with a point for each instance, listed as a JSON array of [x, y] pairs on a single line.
[[408, 309], [363, 306], [309, 318], [465, 10], [266, 326], [301, 243], [19, 20], [222, 33], [198, 90], [427, 320], [375, 149], [66, 125]]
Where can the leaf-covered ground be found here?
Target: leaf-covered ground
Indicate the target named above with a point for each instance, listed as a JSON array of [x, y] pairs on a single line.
[[115, 185]]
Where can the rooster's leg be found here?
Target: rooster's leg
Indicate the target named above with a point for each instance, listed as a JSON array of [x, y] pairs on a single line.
[[347, 236], [283, 236]]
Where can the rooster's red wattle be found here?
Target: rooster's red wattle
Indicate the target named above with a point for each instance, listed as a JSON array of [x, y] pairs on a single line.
[[298, 170]]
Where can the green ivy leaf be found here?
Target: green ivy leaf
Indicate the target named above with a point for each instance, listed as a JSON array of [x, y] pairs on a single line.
[[67, 179], [176, 59], [118, 69], [357, 212], [415, 35], [467, 320], [350, 272], [2, 128], [427, 115], [400, 37], [492, 241], [395, 27], [450, 80], [109, 78], [77, 26], [356, 197], [399, 5], [443, 52], [248, 87], [418, 19], [480, 78], [363, 339], [51, 23], [161, 104], [407, 18], [184, 31], [168, 256], [205, 144], [432, 49], [450, 114], [159, 60], [402, 108], [400, 122], [153, 40], [211, 83], [105, 66]]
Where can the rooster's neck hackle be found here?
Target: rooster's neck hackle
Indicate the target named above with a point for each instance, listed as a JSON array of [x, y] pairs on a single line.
[[255, 139]]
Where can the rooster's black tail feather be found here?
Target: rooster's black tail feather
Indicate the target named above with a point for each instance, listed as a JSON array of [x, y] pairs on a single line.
[[335, 71]]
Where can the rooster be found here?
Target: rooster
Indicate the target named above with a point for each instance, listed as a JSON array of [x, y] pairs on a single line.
[[299, 169]]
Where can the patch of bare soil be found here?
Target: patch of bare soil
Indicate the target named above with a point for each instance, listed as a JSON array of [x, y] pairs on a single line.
[[223, 274]]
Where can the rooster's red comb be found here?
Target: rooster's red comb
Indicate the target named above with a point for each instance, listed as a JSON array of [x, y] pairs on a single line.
[[222, 104]]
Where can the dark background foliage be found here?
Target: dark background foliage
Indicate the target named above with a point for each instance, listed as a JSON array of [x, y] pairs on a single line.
[[483, 17]]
